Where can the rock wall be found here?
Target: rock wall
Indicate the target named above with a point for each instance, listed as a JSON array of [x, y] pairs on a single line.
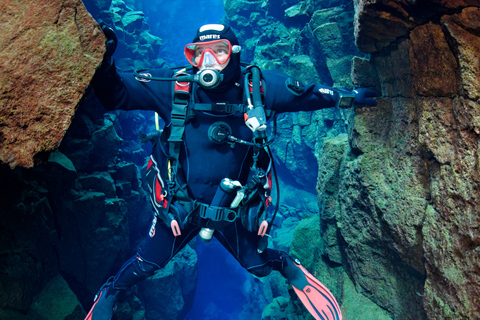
[[38, 99], [399, 197], [408, 198]]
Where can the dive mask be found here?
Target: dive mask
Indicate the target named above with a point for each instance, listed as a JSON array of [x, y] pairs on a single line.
[[211, 54]]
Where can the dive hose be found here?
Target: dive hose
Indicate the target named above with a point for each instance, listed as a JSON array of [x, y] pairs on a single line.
[[207, 78]]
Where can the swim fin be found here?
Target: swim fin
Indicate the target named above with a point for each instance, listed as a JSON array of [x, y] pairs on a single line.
[[104, 302], [318, 300]]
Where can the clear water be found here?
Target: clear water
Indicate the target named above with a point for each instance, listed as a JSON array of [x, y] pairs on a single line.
[[221, 279], [176, 22]]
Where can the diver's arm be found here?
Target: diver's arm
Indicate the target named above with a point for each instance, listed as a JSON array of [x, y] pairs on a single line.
[[107, 84], [284, 94], [124, 91], [106, 81]]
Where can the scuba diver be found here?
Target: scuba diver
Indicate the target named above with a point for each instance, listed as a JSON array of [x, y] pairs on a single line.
[[210, 172]]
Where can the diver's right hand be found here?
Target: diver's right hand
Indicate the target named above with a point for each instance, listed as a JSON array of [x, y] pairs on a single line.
[[364, 96], [110, 44], [107, 67], [112, 41]]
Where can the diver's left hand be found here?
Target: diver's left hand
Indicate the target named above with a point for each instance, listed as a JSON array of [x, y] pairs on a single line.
[[364, 96]]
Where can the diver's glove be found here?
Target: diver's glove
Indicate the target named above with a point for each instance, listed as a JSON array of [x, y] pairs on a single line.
[[364, 96], [110, 44], [106, 81]]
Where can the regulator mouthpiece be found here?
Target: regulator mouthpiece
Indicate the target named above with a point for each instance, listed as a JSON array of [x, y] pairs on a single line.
[[209, 78]]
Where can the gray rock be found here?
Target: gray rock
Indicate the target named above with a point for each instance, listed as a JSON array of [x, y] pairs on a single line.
[[100, 182], [169, 293]]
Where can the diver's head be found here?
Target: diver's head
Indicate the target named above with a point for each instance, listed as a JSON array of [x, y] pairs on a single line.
[[215, 46]]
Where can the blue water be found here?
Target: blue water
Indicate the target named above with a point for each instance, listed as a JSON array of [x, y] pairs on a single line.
[[176, 23], [221, 280]]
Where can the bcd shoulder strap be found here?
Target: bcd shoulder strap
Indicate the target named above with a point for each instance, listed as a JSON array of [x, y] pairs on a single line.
[[181, 99]]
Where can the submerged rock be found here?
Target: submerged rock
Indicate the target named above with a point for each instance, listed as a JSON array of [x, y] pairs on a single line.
[[49, 52], [56, 302], [138, 47], [175, 282], [410, 193]]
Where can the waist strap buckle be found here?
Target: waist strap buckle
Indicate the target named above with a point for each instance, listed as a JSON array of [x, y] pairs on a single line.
[[216, 213]]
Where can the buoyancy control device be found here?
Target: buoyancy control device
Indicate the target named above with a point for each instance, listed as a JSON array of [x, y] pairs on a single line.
[[248, 203]]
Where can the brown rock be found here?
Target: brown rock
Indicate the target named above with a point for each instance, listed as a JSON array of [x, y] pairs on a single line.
[[463, 31], [430, 222], [433, 63], [437, 128], [393, 70], [451, 228], [455, 4], [380, 22], [382, 199], [449, 130], [49, 52]]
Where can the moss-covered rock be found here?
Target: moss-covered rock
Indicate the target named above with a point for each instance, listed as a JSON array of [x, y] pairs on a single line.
[[49, 51]]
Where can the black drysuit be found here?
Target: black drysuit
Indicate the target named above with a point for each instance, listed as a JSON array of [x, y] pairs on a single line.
[[204, 163]]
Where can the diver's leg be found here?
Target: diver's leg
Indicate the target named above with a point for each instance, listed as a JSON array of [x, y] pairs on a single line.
[[159, 248], [242, 244]]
